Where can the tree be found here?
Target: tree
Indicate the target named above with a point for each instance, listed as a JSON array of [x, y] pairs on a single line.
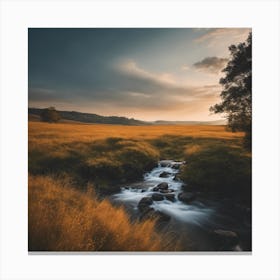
[[50, 115], [237, 90]]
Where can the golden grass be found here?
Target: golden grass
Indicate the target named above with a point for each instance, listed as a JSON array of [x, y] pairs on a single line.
[[192, 149], [79, 148], [47, 133], [61, 218], [63, 140]]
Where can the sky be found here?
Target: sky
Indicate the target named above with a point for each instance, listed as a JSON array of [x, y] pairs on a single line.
[[143, 73]]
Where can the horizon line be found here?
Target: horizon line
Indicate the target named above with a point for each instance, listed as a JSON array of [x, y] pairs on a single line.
[[152, 121]]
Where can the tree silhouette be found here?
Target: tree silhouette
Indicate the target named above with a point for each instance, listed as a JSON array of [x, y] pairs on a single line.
[[50, 115], [237, 90]]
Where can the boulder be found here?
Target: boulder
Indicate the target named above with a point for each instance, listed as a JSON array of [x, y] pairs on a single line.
[[227, 240], [170, 196], [176, 165], [226, 233], [165, 163], [145, 203], [155, 189], [162, 186], [186, 197], [164, 174], [157, 197], [167, 191]]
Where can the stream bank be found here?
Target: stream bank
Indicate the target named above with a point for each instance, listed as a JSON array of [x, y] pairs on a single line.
[[199, 222]]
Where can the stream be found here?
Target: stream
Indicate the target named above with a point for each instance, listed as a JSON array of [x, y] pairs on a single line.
[[201, 224]]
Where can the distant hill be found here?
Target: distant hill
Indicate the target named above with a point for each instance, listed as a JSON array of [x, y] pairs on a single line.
[[34, 115], [78, 117], [33, 118], [37, 118], [217, 122]]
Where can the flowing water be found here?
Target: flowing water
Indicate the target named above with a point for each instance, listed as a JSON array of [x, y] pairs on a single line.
[[193, 222]]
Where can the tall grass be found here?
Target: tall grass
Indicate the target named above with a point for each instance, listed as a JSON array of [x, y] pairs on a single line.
[[109, 155], [61, 218], [50, 134]]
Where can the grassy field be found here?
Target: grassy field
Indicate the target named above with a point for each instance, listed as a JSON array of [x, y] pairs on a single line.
[[48, 133], [72, 167]]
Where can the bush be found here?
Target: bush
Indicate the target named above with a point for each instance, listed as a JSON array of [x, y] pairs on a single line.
[[137, 159], [219, 169], [115, 160], [50, 115]]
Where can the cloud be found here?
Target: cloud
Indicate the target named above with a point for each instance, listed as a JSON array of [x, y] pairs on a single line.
[[38, 94], [121, 71], [211, 65], [185, 67], [149, 85], [131, 89], [130, 68], [236, 34]]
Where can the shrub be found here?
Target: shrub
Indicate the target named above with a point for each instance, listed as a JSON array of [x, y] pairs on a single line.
[[50, 115], [219, 169], [137, 159], [113, 161], [104, 167]]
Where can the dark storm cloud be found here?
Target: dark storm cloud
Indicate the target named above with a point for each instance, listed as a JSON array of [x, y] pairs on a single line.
[[68, 62], [128, 85], [81, 58], [43, 94], [211, 64]]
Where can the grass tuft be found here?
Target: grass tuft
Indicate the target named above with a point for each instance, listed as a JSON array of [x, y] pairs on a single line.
[[61, 218]]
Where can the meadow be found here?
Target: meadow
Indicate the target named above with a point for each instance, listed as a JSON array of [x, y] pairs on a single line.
[[74, 167]]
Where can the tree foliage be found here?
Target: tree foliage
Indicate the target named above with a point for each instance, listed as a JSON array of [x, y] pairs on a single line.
[[237, 89], [50, 115]]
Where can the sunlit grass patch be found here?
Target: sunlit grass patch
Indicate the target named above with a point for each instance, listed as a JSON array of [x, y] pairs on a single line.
[[63, 219], [192, 149]]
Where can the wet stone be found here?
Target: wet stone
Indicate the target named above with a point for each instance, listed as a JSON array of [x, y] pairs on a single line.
[[176, 165], [145, 203], [167, 191], [170, 197], [157, 197], [164, 174], [165, 163], [226, 239], [162, 186]]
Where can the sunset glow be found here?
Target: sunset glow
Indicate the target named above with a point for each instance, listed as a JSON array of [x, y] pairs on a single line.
[[147, 74]]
